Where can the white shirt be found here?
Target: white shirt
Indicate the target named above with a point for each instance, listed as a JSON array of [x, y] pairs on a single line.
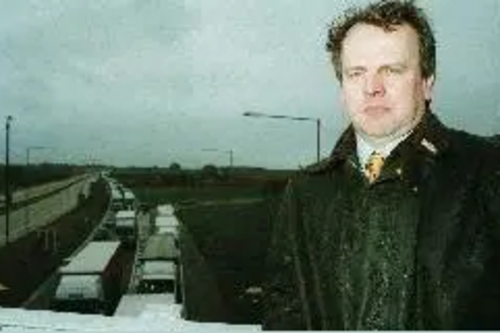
[[364, 149]]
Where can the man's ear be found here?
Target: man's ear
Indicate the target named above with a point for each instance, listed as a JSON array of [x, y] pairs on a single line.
[[428, 87], [342, 98]]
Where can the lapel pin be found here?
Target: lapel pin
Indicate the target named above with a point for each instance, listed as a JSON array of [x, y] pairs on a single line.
[[430, 147]]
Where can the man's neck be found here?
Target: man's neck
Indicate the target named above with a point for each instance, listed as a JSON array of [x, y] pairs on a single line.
[[380, 142]]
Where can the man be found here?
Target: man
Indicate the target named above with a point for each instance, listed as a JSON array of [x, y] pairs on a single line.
[[399, 228]]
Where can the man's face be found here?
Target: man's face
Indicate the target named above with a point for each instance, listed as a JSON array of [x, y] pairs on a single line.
[[383, 90]]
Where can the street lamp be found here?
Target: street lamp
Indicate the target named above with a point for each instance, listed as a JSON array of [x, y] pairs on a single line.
[[8, 120], [230, 152], [276, 116]]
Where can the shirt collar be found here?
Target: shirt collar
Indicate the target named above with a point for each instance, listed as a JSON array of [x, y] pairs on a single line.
[[364, 149]]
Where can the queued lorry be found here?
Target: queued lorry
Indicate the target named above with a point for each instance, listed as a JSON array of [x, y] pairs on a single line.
[[90, 281], [165, 221], [116, 202], [159, 271], [126, 227], [129, 200], [166, 225], [121, 198], [165, 210]]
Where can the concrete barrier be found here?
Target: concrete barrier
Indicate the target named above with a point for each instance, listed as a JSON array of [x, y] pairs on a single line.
[[40, 213]]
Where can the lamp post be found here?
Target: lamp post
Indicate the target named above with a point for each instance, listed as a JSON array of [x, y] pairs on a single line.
[[276, 116], [7, 178], [230, 152]]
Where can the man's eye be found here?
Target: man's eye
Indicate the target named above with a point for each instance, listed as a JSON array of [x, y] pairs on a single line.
[[354, 74], [394, 70]]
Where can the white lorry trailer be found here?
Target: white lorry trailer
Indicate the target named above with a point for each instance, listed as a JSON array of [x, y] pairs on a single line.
[[90, 282]]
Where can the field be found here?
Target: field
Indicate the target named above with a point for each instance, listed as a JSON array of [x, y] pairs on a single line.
[[223, 246], [185, 195]]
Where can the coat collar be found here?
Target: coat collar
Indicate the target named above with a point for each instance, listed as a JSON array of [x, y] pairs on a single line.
[[430, 136]]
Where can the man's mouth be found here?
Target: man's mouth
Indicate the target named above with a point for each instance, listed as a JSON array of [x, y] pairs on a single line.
[[375, 109]]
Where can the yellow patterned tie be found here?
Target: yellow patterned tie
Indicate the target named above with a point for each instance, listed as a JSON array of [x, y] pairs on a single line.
[[374, 166]]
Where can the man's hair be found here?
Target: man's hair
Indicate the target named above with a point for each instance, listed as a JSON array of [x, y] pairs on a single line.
[[388, 15]]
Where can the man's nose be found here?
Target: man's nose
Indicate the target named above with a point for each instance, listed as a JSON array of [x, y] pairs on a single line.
[[374, 84]]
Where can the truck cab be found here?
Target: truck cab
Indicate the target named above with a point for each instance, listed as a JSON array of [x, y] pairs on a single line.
[[157, 276]]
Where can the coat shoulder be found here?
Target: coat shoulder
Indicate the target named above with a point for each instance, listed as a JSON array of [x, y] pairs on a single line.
[[472, 146], [321, 167]]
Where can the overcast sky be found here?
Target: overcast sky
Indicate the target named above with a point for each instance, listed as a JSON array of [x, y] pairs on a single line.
[[151, 82]]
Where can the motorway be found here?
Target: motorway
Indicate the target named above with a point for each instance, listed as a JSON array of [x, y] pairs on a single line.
[[68, 198], [38, 206]]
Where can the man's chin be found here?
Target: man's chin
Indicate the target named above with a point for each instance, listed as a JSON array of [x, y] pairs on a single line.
[[375, 133], [372, 130]]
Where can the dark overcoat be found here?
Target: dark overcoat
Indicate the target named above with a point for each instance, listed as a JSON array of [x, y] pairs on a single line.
[[417, 249]]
